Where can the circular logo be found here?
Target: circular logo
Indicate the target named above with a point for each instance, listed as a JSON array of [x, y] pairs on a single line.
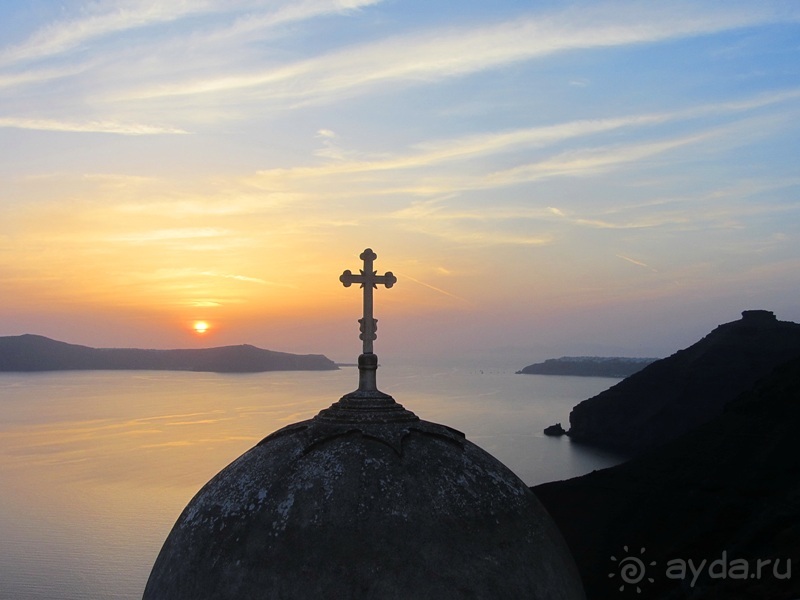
[[631, 570]]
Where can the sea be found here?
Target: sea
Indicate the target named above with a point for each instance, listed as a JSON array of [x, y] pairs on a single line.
[[96, 466]]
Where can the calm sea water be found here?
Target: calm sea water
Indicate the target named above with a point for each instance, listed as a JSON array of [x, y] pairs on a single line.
[[96, 466]]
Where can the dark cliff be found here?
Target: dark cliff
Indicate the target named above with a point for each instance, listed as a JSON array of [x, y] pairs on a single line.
[[673, 395], [38, 353], [730, 486]]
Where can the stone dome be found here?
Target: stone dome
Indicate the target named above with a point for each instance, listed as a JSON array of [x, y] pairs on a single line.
[[365, 500]]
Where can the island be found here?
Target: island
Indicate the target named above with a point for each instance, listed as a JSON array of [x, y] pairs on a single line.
[[29, 352], [589, 366]]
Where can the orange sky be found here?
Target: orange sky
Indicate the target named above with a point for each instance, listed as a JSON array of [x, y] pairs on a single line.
[[575, 178]]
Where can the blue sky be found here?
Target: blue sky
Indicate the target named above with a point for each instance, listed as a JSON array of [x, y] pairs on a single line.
[[544, 178]]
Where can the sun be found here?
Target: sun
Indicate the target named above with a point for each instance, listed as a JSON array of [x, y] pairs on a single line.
[[200, 327]]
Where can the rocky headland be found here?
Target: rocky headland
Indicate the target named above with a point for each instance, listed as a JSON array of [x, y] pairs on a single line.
[[37, 353], [672, 396], [725, 496]]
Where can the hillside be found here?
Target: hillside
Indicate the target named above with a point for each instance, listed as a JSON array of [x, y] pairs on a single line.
[[673, 395], [729, 489], [588, 366], [38, 353]]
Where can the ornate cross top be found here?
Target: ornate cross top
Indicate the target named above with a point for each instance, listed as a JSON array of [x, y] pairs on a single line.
[[369, 280], [367, 405]]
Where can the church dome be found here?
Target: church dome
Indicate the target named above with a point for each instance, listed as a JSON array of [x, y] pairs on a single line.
[[365, 500]]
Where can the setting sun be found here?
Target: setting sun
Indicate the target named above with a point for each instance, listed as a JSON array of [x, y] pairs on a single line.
[[200, 326]]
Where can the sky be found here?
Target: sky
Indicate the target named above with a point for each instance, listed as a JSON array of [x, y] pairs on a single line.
[[544, 178]]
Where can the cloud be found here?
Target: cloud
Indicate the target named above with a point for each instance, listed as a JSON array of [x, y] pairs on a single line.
[[105, 18], [498, 226], [184, 71], [436, 209], [291, 11], [167, 235], [41, 75], [89, 126], [638, 263], [475, 146], [99, 19], [468, 147], [245, 279], [434, 288], [651, 220], [576, 163], [453, 52]]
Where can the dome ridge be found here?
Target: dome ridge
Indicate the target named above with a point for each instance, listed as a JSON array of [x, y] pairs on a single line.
[[315, 432]]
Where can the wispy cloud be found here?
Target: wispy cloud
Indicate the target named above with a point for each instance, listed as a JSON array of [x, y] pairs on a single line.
[[438, 209], [160, 235], [626, 221], [183, 71], [590, 161], [499, 226], [462, 148], [638, 263], [43, 75], [452, 52], [435, 289], [100, 19], [89, 126], [581, 162], [245, 279], [289, 11], [109, 17], [103, 18]]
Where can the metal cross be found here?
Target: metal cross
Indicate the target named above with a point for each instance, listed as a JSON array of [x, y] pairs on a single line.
[[369, 280]]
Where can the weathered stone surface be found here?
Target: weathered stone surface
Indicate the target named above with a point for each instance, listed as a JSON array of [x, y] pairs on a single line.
[[387, 508]]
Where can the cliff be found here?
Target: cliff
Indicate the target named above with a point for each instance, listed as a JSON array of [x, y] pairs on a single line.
[[728, 490], [672, 396], [589, 366], [38, 353]]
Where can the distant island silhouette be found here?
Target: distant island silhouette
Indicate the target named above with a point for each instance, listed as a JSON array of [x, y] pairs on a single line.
[[589, 366], [29, 352]]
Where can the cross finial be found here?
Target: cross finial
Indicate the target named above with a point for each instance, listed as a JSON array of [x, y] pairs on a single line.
[[369, 280], [367, 405]]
